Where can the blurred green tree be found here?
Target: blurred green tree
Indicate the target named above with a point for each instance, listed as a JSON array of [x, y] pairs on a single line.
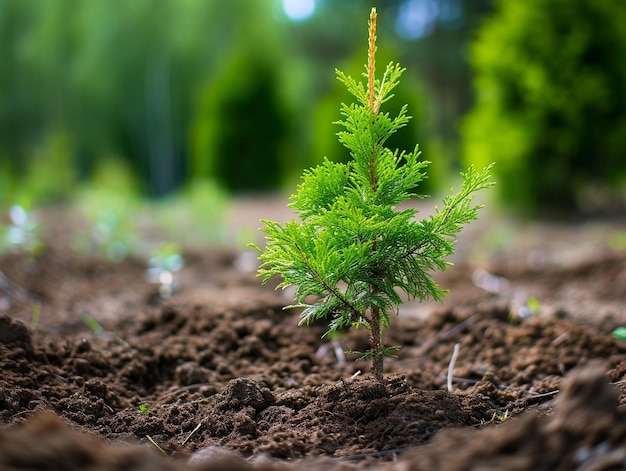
[[240, 129], [116, 77], [551, 84], [19, 102]]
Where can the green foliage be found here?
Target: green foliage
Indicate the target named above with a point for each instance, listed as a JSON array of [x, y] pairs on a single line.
[[129, 79], [21, 235], [619, 333], [353, 250], [110, 205], [122, 77], [162, 267], [551, 94], [92, 324], [50, 175], [240, 128], [194, 216], [410, 92]]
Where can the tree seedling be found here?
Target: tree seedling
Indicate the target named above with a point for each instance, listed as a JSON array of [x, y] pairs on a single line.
[[354, 252], [162, 266]]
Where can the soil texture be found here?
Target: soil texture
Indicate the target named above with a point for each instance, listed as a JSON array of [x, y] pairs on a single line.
[[518, 368]]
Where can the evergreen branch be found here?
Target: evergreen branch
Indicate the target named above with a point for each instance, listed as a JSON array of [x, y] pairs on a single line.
[[355, 88], [457, 210], [330, 289], [391, 78], [373, 177]]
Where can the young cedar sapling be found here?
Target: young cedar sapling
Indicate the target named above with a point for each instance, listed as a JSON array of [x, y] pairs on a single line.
[[354, 251]]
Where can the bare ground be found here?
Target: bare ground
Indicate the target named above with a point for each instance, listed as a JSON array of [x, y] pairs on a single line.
[[220, 377]]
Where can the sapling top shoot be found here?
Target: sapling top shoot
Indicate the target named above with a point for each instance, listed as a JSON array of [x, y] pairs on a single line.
[[353, 251]]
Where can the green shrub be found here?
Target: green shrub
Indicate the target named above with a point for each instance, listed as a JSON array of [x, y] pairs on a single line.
[[240, 129], [50, 174], [550, 77], [109, 203]]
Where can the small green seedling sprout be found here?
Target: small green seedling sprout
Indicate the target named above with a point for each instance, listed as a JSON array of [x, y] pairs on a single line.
[[620, 333], [93, 324], [530, 308], [498, 417], [354, 252], [108, 233], [162, 266], [22, 233], [34, 320], [143, 408]]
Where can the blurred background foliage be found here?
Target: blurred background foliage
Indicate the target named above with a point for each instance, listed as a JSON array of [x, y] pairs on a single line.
[[550, 77], [194, 97], [239, 92]]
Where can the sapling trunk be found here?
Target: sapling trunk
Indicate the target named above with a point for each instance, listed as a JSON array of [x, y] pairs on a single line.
[[375, 327], [376, 342], [353, 250]]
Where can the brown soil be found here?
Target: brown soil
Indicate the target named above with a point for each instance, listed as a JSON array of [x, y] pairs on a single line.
[[220, 377]]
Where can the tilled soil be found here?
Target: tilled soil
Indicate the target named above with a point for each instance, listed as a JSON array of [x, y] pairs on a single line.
[[219, 376]]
